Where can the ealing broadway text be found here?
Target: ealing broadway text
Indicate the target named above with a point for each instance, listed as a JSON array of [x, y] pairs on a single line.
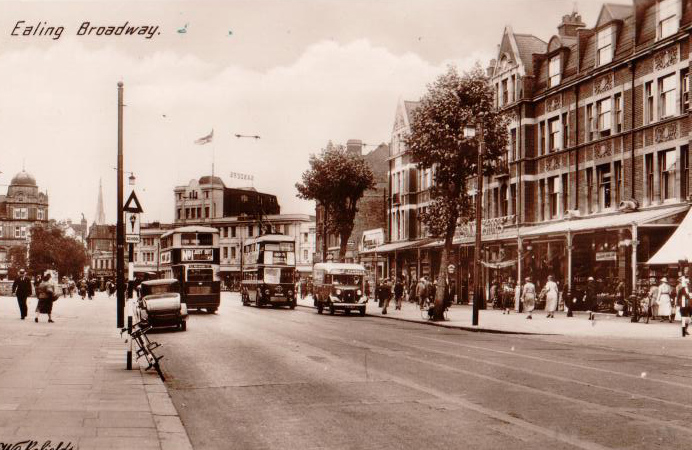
[[21, 28]]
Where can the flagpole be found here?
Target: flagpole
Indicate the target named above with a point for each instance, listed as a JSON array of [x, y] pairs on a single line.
[[213, 157]]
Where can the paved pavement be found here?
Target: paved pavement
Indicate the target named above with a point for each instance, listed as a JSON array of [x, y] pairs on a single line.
[[66, 382], [459, 316], [265, 378]]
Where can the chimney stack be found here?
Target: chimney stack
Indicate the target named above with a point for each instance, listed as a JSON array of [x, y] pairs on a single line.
[[570, 24], [491, 68], [355, 146]]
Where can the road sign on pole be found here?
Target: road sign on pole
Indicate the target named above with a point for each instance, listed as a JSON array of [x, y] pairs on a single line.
[[132, 204], [132, 226]]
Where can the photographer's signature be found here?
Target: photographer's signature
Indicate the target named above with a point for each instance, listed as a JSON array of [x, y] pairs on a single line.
[[36, 445]]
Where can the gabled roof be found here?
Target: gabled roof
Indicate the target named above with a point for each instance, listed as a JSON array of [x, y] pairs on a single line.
[[410, 106], [528, 44], [613, 11]]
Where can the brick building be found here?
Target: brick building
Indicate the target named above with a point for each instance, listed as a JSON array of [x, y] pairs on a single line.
[[22, 206], [371, 207], [238, 214], [596, 177]]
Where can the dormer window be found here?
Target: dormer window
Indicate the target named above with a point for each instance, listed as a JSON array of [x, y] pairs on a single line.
[[554, 71], [668, 20], [604, 53]]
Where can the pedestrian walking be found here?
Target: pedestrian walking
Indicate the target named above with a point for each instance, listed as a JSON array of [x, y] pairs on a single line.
[[683, 303], [46, 295], [412, 294], [422, 292], [398, 293], [22, 289], [517, 297], [590, 299], [551, 296], [386, 294], [528, 296], [663, 300], [91, 286], [508, 296]]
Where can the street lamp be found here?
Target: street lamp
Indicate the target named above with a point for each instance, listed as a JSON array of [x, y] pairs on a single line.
[[478, 285]]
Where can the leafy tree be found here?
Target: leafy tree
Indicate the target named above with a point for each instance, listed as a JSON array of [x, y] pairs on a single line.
[[337, 179], [50, 248], [440, 141], [16, 258]]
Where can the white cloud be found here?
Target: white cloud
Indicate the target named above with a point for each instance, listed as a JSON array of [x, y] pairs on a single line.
[[59, 113]]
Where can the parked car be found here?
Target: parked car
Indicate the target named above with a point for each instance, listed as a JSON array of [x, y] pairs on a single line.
[[159, 304]]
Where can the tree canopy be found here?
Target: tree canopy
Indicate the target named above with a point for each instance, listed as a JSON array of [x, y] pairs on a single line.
[[337, 179], [16, 258], [51, 248], [441, 140]]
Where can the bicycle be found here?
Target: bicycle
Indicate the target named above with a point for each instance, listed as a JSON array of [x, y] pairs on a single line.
[[146, 347], [426, 311]]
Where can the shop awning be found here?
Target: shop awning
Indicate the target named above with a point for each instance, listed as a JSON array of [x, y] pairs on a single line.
[[392, 246], [618, 220], [679, 245]]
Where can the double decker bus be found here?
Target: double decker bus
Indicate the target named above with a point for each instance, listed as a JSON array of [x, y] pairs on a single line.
[[191, 256], [269, 265]]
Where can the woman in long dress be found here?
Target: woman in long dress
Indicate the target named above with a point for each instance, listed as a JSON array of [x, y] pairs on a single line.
[[551, 296], [663, 300], [45, 293], [529, 296]]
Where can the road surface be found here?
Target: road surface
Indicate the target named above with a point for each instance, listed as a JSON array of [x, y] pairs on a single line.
[[249, 378]]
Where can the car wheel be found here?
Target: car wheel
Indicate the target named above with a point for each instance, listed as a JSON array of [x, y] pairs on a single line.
[[362, 311], [211, 310], [183, 325], [332, 310], [320, 308], [292, 305], [258, 300]]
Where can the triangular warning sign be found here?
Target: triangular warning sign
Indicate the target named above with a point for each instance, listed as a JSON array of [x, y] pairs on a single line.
[[132, 204]]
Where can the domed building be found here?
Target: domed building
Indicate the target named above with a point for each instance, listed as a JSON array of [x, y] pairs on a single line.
[[20, 208]]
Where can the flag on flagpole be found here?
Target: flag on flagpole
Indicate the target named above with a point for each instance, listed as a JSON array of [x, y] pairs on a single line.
[[206, 139]]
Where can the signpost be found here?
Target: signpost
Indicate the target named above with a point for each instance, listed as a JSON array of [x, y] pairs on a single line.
[[132, 210]]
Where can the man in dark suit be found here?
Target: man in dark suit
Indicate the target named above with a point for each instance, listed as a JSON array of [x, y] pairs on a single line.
[[22, 289]]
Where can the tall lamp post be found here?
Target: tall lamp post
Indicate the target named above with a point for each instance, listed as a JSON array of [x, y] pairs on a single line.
[[477, 273], [119, 228]]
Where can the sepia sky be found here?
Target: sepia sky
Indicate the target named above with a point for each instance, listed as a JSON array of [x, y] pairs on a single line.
[[297, 73]]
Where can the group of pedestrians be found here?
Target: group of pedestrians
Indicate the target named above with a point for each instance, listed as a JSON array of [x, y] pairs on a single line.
[[387, 289], [48, 289], [45, 292], [665, 301]]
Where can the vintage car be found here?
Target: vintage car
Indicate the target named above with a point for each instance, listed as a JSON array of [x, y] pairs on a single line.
[[159, 304], [339, 287]]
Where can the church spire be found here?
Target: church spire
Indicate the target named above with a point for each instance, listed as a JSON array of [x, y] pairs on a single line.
[[100, 218]]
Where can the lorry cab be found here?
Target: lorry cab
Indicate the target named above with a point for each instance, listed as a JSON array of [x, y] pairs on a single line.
[[339, 287]]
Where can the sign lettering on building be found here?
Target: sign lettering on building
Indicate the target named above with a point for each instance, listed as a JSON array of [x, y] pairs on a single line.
[[488, 226], [606, 256]]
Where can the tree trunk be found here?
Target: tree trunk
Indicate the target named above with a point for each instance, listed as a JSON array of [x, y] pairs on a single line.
[[438, 312], [343, 246], [324, 234]]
